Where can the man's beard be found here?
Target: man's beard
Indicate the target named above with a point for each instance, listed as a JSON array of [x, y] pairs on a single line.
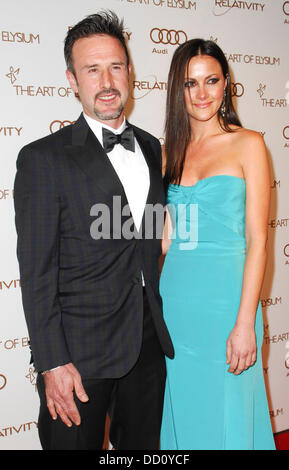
[[113, 115], [109, 117]]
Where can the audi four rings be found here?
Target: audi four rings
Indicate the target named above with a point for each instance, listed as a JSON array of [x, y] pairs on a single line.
[[166, 36]]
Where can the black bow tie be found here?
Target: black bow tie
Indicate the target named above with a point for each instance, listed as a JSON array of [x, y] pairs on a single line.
[[126, 139]]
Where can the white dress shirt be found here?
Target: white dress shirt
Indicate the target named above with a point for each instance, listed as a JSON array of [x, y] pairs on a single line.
[[131, 168]]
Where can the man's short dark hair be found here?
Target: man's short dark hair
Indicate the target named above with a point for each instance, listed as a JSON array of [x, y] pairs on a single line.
[[104, 22]]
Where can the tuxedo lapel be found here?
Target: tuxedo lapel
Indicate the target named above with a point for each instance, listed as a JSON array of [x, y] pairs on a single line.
[[90, 157], [156, 184], [154, 170]]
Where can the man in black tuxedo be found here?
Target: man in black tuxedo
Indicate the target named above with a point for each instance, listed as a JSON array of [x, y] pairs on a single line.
[[90, 289]]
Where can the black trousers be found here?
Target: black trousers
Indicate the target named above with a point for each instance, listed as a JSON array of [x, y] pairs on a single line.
[[134, 403]]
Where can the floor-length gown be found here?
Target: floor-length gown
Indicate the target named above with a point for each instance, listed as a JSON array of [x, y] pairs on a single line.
[[205, 406]]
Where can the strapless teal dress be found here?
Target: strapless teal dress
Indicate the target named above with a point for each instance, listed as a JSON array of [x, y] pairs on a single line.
[[205, 406]]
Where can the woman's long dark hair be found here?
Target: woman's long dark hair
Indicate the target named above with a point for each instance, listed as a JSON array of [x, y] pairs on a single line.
[[177, 124]]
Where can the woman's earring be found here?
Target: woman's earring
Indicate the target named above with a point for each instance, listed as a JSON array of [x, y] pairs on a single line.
[[223, 107]]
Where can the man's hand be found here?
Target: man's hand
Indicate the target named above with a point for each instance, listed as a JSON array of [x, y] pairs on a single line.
[[59, 386]]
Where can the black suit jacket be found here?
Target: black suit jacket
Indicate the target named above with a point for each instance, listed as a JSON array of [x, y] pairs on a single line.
[[82, 296]]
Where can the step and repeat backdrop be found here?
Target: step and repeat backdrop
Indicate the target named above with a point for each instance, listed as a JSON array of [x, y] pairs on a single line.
[[36, 100]]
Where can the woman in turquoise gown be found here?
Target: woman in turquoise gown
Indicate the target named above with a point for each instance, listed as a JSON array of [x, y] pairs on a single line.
[[215, 243]]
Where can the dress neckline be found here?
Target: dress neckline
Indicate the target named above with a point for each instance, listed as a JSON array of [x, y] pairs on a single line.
[[204, 179]]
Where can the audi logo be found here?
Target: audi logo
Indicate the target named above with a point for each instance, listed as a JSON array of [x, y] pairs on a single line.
[[286, 8], [286, 132], [237, 89], [3, 381], [168, 36], [56, 125]]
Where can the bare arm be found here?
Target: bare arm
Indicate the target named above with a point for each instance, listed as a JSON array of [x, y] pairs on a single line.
[[163, 161], [167, 232], [166, 238], [241, 344]]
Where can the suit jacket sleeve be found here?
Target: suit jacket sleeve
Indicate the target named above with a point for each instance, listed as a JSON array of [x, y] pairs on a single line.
[[37, 210]]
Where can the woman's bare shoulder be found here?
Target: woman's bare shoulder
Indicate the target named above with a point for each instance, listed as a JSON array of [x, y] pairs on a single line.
[[252, 150], [247, 143], [247, 136]]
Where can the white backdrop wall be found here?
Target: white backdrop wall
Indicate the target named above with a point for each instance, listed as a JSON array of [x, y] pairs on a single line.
[[36, 100]]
